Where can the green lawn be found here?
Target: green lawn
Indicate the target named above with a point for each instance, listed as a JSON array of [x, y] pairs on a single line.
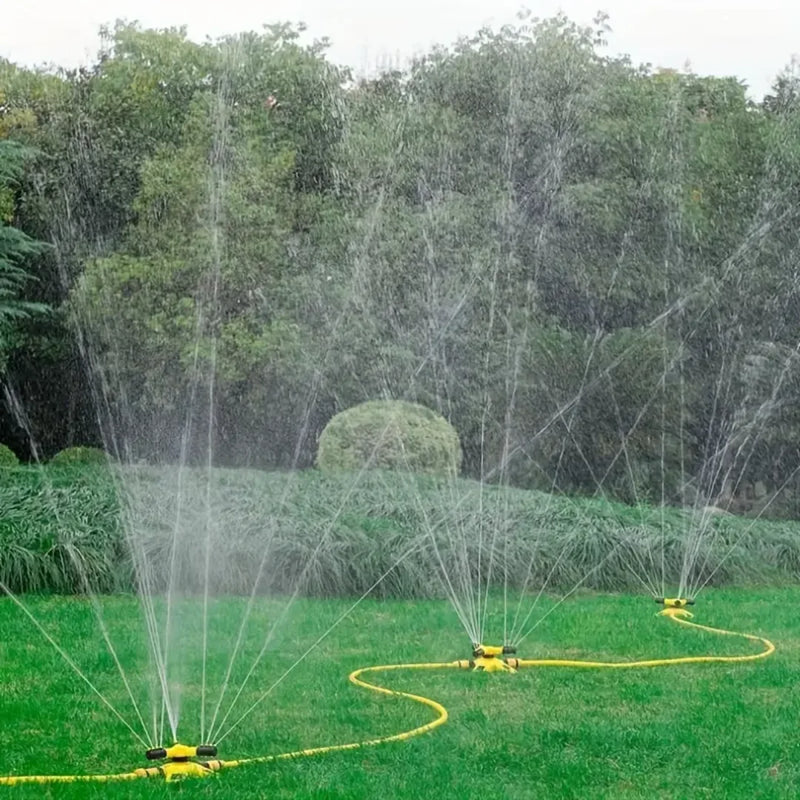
[[721, 731]]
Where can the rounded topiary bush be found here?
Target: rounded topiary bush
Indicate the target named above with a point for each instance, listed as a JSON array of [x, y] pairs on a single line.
[[390, 434], [7, 457], [79, 455]]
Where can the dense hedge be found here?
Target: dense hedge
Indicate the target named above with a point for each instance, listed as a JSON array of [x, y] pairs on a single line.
[[79, 454], [7, 457], [390, 434], [62, 529]]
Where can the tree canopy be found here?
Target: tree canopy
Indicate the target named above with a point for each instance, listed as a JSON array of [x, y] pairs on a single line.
[[587, 266]]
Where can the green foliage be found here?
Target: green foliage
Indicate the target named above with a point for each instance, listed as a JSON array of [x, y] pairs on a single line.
[[64, 529], [15, 248], [203, 287], [8, 457], [572, 258], [598, 411], [390, 434], [79, 455], [59, 531]]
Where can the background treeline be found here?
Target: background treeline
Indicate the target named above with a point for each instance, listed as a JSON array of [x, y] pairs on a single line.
[[590, 268]]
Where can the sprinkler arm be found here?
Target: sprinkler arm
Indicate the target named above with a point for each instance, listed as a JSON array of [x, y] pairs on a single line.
[[181, 752], [674, 602], [491, 651]]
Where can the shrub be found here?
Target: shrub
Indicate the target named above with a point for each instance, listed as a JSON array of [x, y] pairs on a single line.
[[390, 434], [7, 457], [79, 455]]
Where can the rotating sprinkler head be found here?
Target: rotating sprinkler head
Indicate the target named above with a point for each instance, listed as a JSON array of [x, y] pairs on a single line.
[[487, 658], [181, 761], [674, 606]]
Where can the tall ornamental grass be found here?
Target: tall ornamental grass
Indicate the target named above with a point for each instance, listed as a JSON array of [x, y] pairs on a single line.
[[69, 529]]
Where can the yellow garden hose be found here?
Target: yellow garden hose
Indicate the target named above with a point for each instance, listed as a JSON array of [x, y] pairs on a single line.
[[355, 677], [174, 770], [676, 615], [171, 771]]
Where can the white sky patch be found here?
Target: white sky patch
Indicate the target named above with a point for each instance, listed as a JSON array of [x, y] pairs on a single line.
[[752, 41]]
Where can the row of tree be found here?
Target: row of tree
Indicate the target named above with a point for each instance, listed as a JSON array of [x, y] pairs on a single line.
[[590, 268]]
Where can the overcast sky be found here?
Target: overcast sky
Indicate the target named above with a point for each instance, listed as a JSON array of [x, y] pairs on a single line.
[[750, 40]]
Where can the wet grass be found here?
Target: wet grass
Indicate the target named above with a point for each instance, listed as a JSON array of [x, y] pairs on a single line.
[[674, 732]]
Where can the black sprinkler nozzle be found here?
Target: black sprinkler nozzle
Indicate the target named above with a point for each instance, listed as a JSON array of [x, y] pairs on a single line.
[[509, 650], [180, 752], [488, 651]]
